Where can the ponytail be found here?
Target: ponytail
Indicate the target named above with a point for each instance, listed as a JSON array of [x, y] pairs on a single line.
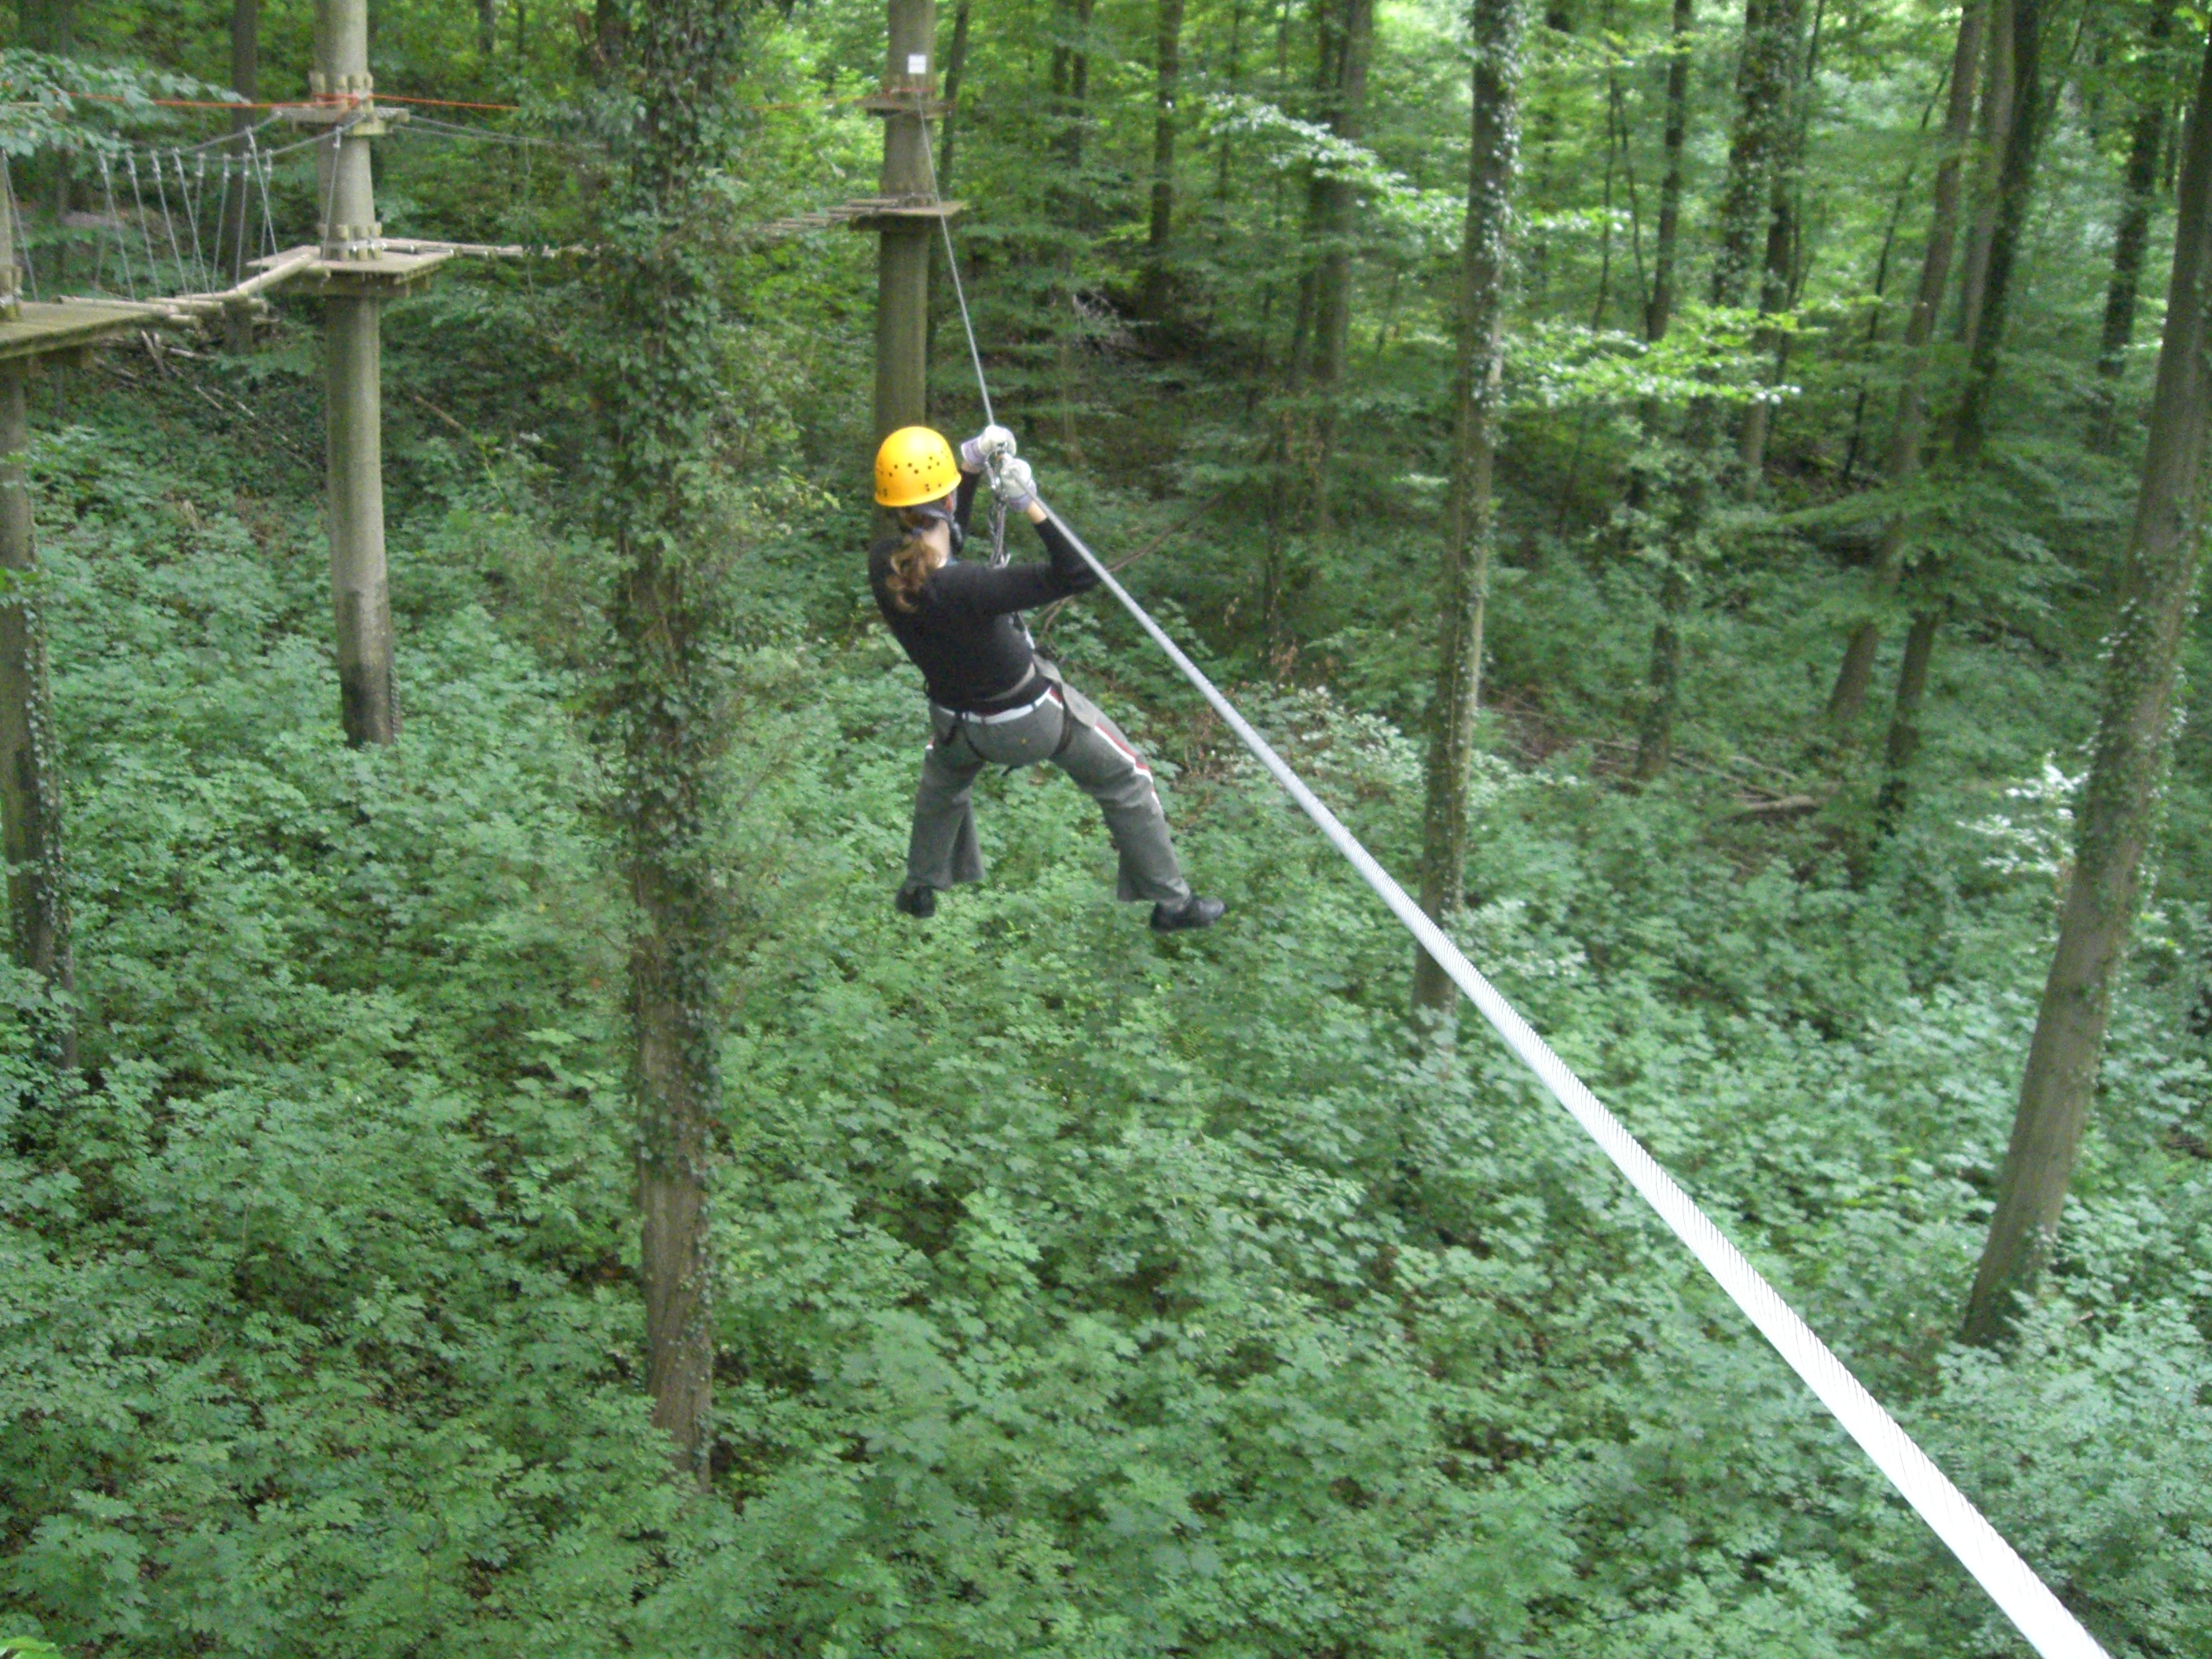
[[910, 562]]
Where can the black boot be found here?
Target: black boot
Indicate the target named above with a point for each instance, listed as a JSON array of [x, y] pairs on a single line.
[[915, 901], [1193, 912]]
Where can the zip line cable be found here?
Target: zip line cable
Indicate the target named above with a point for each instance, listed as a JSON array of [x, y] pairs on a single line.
[[952, 262], [2009, 1582], [975, 356]]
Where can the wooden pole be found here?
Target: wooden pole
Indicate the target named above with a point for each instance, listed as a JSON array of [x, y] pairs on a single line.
[[30, 792], [903, 260], [353, 331]]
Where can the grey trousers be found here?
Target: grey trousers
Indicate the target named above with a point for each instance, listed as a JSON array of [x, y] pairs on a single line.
[[1066, 728]]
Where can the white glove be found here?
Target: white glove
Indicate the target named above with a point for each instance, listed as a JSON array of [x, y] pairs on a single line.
[[1016, 485], [975, 454]]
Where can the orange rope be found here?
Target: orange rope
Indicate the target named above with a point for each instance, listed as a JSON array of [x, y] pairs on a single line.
[[336, 99], [344, 99]]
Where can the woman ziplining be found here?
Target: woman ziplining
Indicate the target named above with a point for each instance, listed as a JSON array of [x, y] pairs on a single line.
[[993, 701]]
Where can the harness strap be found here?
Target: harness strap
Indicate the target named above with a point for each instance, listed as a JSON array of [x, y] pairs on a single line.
[[1068, 727]]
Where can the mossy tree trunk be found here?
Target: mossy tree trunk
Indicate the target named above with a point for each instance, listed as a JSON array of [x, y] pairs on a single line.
[[1847, 699], [2120, 806], [1493, 162], [30, 780], [666, 410]]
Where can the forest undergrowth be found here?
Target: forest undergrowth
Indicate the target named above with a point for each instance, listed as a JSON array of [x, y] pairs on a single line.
[[1082, 1294]]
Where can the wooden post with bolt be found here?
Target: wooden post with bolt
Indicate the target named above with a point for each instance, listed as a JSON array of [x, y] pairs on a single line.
[[360, 591], [906, 104]]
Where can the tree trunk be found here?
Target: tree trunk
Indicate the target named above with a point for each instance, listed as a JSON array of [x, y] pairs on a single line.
[[1167, 65], [235, 246], [1659, 313], [1999, 79], [1543, 146], [1232, 78], [669, 692], [1764, 73], [49, 26], [2016, 182], [1778, 282], [2118, 807], [1903, 742], [1773, 296], [955, 69], [1071, 86], [1659, 309], [2138, 195], [1332, 283], [1970, 426], [487, 31], [1853, 679], [1297, 492], [1492, 160], [30, 780]]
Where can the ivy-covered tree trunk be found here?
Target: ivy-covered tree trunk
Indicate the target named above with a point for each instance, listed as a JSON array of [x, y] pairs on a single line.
[[1847, 699], [662, 401], [30, 778], [2131, 236], [1167, 67], [2118, 810], [1492, 161], [1764, 73], [1970, 425]]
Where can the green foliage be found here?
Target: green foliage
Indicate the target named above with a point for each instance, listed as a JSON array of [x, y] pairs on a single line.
[[1077, 1292]]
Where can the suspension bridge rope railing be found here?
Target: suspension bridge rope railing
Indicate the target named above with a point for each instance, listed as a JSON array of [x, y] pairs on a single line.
[[2009, 1580]]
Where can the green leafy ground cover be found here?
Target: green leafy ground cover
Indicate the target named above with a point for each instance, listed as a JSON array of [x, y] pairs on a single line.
[[1080, 1294]]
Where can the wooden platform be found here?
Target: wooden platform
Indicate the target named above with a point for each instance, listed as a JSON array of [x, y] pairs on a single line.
[[361, 118], [393, 269], [384, 275], [37, 329], [866, 213]]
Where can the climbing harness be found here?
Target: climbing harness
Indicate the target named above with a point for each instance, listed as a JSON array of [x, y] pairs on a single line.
[[2009, 1582]]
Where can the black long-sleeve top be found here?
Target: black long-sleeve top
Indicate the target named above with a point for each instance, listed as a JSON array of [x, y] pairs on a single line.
[[963, 632]]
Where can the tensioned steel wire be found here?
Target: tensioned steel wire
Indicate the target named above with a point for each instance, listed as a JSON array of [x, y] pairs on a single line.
[[2009, 1582]]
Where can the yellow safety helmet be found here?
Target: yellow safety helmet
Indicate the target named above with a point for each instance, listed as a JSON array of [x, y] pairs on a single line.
[[913, 466]]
